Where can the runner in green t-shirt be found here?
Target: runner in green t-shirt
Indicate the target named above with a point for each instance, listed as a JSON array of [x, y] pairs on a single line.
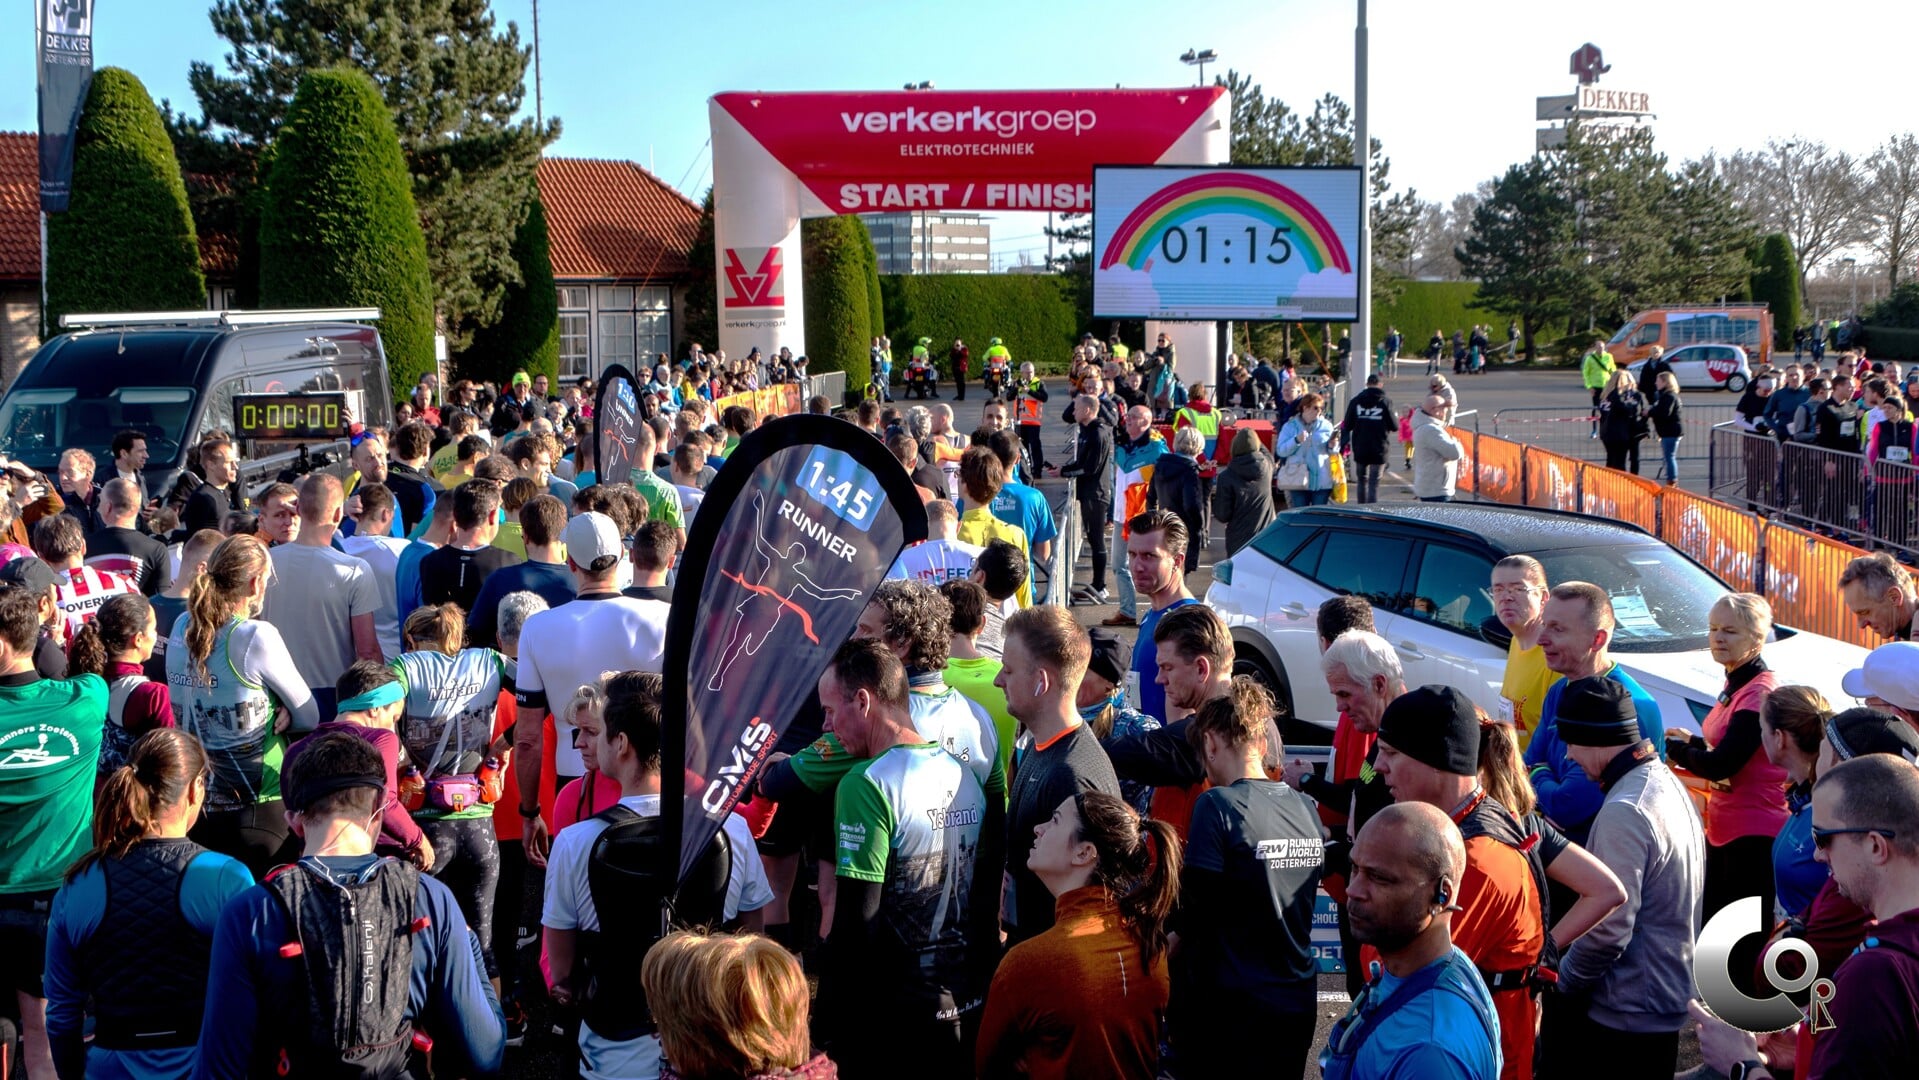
[[905, 960]]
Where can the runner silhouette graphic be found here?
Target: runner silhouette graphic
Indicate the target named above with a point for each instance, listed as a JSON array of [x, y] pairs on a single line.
[[769, 597]]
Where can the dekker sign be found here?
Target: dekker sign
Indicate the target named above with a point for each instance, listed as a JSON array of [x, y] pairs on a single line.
[[778, 158], [1626, 102]]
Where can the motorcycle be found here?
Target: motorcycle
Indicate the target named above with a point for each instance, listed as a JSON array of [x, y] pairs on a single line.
[[996, 378], [921, 380]]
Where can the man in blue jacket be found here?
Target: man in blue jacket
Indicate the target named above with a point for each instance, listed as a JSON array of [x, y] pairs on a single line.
[[1576, 627], [261, 1017]]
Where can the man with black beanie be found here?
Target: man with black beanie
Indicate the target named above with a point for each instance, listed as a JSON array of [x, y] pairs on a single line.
[[1428, 752], [1625, 984]]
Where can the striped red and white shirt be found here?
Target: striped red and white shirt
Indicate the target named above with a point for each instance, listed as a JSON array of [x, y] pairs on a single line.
[[85, 589]]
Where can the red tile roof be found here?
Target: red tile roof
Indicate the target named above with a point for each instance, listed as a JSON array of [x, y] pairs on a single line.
[[19, 207], [605, 219], [613, 219]]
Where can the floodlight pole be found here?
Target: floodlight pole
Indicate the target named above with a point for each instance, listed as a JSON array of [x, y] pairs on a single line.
[[1362, 337]]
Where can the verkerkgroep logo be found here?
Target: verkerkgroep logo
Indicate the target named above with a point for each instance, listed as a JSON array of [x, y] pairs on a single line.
[[1712, 974]]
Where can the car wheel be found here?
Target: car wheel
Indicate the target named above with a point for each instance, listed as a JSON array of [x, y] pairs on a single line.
[[1293, 731], [1735, 382]]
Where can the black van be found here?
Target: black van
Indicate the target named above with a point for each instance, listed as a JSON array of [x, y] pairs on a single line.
[[174, 376]]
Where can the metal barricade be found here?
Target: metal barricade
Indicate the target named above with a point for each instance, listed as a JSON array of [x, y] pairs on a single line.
[[1830, 492], [1573, 432], [1056, 573], [830, 384]]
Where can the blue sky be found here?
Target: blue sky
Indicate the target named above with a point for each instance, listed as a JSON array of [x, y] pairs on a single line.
[[1452, 83]]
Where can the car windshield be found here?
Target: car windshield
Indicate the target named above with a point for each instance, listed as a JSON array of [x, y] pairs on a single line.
[[38, 423], [1660, 598], [1621, 335]]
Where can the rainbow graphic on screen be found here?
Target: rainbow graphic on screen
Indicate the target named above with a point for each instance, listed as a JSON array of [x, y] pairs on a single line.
[[1233, 193]]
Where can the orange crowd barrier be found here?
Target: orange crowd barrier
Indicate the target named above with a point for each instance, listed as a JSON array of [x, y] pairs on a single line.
[[1725, 539], [1621, 496], [1498, 471], [1802, 583], [1468, 481], [1552, 480]]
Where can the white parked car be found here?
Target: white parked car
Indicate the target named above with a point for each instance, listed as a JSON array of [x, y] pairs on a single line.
[[1427, 570], [1702, 367]]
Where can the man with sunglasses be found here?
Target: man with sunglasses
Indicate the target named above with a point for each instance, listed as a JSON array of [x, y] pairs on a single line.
[[1428, 1013], [1865, 826]]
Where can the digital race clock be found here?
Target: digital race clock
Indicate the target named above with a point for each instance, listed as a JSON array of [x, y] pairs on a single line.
[[318, 415]]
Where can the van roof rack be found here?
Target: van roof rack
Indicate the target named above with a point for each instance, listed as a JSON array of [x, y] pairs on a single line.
[[221, 318]]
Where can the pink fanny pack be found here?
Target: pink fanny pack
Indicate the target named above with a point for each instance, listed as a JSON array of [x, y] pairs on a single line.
[[453, 794]]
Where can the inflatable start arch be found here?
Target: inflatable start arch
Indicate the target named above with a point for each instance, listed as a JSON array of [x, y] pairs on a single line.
[[781, 157]]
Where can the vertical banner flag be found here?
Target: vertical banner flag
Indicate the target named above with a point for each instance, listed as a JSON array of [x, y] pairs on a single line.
[[810, 513], [616, 420], [63, 40]]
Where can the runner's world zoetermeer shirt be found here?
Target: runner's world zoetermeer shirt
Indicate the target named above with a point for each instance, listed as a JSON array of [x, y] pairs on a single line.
[[910, 821]]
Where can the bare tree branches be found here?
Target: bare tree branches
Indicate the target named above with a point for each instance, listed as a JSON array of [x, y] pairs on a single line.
[[1892, 203]]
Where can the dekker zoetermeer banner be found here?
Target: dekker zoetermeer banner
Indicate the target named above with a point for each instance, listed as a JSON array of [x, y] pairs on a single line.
[[63, 33], [798, 529]]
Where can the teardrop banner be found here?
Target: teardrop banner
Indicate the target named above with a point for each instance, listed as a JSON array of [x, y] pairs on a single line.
[[616, 419], [797, 530]]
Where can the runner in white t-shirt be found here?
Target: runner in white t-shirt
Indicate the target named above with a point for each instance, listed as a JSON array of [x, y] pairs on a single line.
[[625, 743], [381, 553], [573, 645], [942, 558], [321, 600]]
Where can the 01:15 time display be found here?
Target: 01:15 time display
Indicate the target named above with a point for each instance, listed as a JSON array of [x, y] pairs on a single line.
[[1175, 245]]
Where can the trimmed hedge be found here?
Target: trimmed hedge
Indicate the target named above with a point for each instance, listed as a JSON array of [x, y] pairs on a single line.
[[1775, 280], [338, 226], [1032, 313], [1892, 343], [1425, 306], [527, 337], [126, 242], [836, 258]]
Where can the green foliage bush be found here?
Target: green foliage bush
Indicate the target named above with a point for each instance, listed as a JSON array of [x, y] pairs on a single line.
[[1900, 309], [1425, 306], [701, 321], [1892, 343], [1775, 281], [836, 258], [1032, 313], [126, 241], [338, 226], [527, 337]]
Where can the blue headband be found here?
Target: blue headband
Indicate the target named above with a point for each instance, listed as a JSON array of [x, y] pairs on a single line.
[[384, 694]]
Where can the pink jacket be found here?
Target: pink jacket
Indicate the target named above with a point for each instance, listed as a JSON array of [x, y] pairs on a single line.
[[1756, 803]]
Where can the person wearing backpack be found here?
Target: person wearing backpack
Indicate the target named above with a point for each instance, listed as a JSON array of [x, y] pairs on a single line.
[[601, 863], [285, 1001]]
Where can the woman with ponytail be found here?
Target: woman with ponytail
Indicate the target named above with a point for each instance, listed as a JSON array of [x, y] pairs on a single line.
[[235, 688], [452, 695], [1254, 852], [130, 934], [116, 646], [1083, 998]]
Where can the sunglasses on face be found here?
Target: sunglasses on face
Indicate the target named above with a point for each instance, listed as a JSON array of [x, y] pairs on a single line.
[[1822, 838]]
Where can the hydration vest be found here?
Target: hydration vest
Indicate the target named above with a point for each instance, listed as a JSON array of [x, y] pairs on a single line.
[[148, 963], [632, 890], [355, 941], [1488, 817]]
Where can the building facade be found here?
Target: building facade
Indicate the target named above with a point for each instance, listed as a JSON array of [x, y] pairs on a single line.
[[931, 242]]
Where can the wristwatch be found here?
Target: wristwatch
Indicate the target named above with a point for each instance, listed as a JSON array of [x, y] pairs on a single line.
[[529, 814], [1750, 1068]]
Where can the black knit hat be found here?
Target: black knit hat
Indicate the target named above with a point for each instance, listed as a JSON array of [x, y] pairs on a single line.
[[1857, 732], [1596, 711], [1436, 726], [1110, 660]]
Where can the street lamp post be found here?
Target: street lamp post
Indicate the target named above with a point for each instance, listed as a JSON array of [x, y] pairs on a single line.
[[1199, 58]]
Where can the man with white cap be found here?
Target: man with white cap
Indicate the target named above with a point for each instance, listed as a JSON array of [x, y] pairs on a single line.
[[572, 646], [1888, 680]]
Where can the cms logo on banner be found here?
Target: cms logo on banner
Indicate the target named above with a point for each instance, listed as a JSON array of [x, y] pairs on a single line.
[[755, 278], [1711, 973]]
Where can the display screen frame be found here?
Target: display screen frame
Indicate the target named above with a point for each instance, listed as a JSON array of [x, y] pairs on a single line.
[[1308, 216], [309, 410]]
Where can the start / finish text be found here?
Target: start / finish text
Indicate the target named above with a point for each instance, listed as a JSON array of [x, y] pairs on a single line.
[[862, 197]]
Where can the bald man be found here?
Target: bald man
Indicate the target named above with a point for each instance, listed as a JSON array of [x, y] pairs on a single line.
[[321, 599], [1427, 1014], [1436, 453]]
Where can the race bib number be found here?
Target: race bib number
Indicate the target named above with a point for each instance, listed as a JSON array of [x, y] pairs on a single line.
[[1898, 453], [1508, 713], [1133, 701], [1847, 427]]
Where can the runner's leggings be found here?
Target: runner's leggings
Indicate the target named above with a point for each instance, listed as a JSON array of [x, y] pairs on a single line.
[[466, 859], [257, 835]]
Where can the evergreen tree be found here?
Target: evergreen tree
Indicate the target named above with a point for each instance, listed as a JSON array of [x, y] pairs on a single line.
[[126, 241], [338, 226], [702, 318], [1521, 249], [453, 85], [1775, 280], [527, 337], [875, 303], [838, 306], [1708, 240]]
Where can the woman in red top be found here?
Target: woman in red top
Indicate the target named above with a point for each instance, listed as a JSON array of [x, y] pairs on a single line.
[[1748, 804], [116, 646], [1084, 998]]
